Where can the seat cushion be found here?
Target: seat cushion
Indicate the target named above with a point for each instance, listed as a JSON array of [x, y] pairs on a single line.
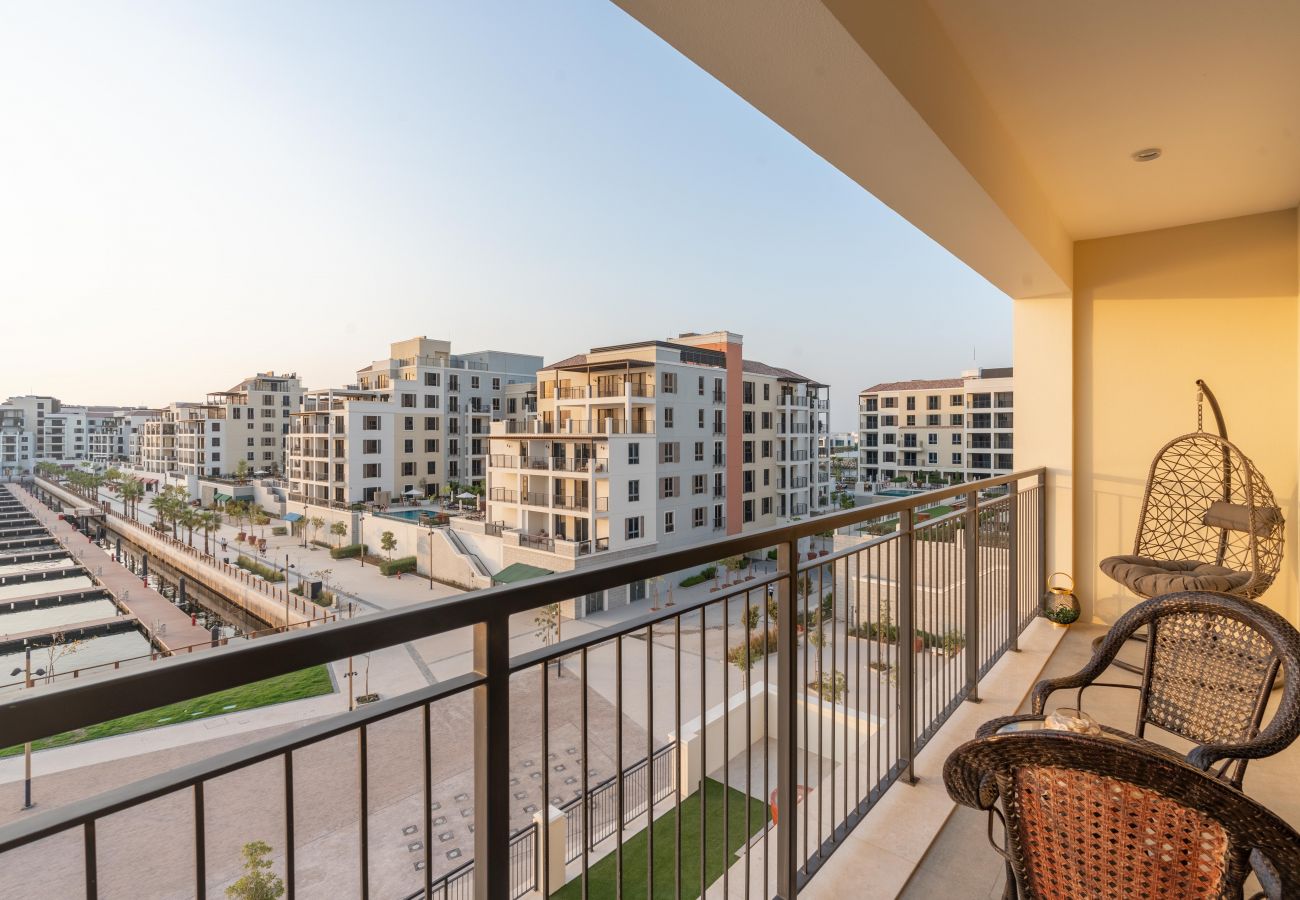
[[1153, 577]]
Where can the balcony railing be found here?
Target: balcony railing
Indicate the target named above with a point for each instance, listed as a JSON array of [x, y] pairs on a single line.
[[894, 663], [586, 427]]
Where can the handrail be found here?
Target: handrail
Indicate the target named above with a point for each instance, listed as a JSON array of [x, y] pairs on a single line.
[[41, 712]]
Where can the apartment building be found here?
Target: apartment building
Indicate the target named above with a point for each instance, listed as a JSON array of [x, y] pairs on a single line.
[[248, 424], [656, 444], [948, 429], [414, 423], [15, 441], [113, 433]]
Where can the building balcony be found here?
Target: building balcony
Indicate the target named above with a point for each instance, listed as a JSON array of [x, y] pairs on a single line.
[[589, 428]]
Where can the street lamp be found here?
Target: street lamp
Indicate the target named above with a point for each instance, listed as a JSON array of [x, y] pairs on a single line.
[[361, 533], [27, 673], [302, 529]]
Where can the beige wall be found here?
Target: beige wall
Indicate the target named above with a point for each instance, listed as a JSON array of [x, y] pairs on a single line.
[[1152, 313]]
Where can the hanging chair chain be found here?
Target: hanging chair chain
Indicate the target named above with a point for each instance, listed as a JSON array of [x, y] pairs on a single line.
[[1200, 410]]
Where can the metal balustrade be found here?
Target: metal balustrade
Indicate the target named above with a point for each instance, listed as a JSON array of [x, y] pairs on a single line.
[[908, 614]]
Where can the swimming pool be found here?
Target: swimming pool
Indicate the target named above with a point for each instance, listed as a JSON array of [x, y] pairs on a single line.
[[900, 492], [409, 515]]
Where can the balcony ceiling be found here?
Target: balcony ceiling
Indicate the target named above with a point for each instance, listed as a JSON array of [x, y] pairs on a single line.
[[1081, 86], [1004, 129]]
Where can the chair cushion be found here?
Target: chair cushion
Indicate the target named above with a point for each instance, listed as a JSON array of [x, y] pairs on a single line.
[[1154, 577]]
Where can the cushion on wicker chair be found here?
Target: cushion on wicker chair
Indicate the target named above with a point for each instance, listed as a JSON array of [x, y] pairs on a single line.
[[1153, 577]]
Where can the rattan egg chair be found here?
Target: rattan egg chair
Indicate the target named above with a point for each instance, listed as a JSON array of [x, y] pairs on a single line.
[[1208, 521]]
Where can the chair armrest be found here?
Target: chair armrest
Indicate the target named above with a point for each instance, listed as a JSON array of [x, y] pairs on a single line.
[[1269, 877], [1102, 656]]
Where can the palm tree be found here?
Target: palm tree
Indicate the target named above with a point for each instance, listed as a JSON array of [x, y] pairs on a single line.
[[209, 520], [189, 520], [132, 490]]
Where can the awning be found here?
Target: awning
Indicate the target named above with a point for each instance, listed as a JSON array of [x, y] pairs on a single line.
[[516, 572], [219, 497], [292, 517]]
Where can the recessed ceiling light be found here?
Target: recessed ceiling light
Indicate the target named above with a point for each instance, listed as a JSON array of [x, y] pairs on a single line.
[[1147, 155]]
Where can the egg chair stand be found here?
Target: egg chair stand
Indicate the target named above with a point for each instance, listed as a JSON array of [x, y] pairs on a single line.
[[1208, 520]]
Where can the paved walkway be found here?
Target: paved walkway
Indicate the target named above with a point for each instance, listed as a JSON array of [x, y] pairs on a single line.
[[165, 623]]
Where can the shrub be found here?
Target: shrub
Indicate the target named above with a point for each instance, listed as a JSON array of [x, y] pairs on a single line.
[[1061, 615], [833, 686], [279, 530], [700, 577], [322, 544], [252, 565], [351, 551], [759, 645], [394, 566]]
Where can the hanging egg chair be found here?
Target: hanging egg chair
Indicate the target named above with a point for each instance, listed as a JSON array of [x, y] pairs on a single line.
[[1208, 521]]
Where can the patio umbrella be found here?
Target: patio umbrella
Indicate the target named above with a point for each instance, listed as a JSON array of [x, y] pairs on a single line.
[[466, 495], [412, 493]]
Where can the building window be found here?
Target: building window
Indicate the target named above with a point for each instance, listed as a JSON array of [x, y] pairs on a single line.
[[766, 506], [473, 382], [633, 454], [632, 527], [408, 468], [366, 446], [911, 420], [747, 422], [370, 470], [668, 452], [430, 401], [430, 379], [431, 468], [911, 403], [408, 401], [668, 417], [408, 446], [633, 490], [668, 487], [956, 459], [747, 514], [669, 521], [955, 420], [669, 385], [932, 438], [700, 418], [747, 481], [932, 459], [932, 421], [699, 484], [699, 446], [370, 423], [496, 384], [747, 451], [697, 516]]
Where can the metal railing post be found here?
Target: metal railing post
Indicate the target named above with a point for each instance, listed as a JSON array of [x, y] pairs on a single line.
[[907, 642], [1013, 564], [972, 548], [787, 677], [1041, 575], [492, 759]]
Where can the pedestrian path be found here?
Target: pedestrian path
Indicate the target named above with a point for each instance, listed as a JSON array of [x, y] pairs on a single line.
[[169, 628]]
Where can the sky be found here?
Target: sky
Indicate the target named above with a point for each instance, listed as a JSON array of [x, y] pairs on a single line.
[[193, 192]]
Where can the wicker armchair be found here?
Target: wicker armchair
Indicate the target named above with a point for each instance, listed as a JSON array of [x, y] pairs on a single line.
[[1096, 817], [1209, 668]]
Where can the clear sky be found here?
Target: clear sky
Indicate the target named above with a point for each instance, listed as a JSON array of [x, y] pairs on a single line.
[[194, 191]]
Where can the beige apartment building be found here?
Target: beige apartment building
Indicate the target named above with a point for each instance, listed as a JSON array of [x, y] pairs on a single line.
[[947, 429], [415, 423], [656, 445], [249, 424]]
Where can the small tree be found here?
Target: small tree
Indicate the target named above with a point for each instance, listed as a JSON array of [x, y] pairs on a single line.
[[817, 638], [316, 523], [752, 615], [338, 529], [388, 541], [258, 881], [241, 469], [60, 646], [547, 621], [833, 686]]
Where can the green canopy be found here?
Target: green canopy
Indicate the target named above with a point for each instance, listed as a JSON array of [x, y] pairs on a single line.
[[219, 497], [516, 572]]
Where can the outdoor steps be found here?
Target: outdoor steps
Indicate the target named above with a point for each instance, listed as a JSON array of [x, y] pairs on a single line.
[[41, 637]]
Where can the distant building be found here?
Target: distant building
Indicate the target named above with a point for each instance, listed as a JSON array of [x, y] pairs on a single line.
[[950, 429], [415, 423]]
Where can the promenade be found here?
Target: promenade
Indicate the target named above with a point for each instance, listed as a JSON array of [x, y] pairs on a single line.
[[165, 624]]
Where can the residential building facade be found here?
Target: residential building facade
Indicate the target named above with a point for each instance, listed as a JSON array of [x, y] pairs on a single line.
[[415, 423], [938, 430], [657, 444]]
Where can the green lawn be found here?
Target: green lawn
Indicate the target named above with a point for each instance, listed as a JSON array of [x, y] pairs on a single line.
[[294, 686], [601, 876]]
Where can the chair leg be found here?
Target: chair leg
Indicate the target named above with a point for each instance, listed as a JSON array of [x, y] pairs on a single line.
[[1009, 891]]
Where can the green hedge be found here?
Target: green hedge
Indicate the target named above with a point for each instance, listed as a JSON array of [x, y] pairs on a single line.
[[700, 577], [350, 551], [393, 566], [279, 530], [252, 565]]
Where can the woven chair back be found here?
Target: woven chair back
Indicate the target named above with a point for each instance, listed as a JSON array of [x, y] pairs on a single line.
[[1094, 817], [1205, 501]]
